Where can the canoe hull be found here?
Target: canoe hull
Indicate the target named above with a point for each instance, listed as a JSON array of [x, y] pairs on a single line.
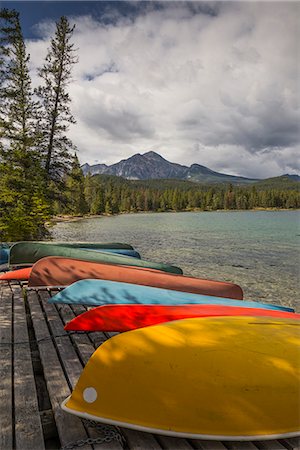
[[29, 253], [19, 275], [117, 251], [130, 317], [75, 244], [103, 292], [197, 378], [54, 271], [4, 255]]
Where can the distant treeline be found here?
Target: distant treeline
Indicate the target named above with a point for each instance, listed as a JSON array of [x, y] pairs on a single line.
[[105, 194]]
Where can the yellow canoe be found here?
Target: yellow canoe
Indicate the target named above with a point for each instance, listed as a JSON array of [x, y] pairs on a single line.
[[223, 378]]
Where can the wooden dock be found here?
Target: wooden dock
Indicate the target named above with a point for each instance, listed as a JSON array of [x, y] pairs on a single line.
[[40, 365]]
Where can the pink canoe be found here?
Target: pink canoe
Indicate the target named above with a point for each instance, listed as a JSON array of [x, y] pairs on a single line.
[[58, 271], [129, 317]]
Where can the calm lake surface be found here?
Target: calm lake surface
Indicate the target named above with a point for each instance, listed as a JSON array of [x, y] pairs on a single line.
[[259, 250]]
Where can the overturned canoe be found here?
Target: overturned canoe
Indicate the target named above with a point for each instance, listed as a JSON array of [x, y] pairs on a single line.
[[224, 378], [54, 271], [42, 275], [114, 247], [19, 275], [130, 317], [75, 244], [4, 254], [4, 267], [29, 253], [110, 247], [118, 251], [103, 292], [122, 251]]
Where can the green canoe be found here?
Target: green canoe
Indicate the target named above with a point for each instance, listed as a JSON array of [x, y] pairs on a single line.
[[89, 245], [27, 253]]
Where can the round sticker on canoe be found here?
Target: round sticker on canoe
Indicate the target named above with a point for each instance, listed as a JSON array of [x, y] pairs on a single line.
[[90, 394]]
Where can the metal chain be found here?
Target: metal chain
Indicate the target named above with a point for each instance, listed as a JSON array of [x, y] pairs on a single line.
[[110, 434], [88, 441]]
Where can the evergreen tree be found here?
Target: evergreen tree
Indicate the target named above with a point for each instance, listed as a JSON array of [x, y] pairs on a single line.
[[23, 206], [76, 203], [97, 206], [125, 201], [175, 200], [6, 30], [108, 209], [56, 75], [253, 198], [18, 110]]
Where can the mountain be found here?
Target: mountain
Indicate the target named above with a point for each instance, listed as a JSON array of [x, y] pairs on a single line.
[[93, 170], [151, 165], [284, 182], [292, 177], [202, 174]]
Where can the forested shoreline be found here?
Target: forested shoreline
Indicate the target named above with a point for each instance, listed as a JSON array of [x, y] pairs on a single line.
[[104, 194]]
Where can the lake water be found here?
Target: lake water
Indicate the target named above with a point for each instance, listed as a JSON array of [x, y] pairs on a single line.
[[259, 250]]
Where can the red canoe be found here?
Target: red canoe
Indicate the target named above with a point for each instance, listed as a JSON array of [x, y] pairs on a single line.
[[129, 317], [56, 271], [20, 274]]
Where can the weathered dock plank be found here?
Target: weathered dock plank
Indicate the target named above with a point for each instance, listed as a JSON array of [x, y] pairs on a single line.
[[70, 362], [70, 428], [138, 440], [169, 443], [292, 444], [207, 445], [67, 354], [270, 445], [85, 342], [135, 440], [28, 427], [6, 370], [232, 445]]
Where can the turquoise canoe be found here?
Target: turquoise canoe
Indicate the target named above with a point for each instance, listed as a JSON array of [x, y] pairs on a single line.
[[103, 292], [117, 251], [24, 254]]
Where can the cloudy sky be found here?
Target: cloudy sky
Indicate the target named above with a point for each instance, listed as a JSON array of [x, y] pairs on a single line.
[[213, 83]]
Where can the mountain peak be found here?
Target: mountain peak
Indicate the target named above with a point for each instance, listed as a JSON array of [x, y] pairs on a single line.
[[151, 165], [293, 177], [153, 155]]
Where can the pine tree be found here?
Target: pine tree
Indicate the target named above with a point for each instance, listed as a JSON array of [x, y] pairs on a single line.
[[6, 31], [76, 203], [108, 209], [97, 206], [18, 110], [23, 206], [56, 76]]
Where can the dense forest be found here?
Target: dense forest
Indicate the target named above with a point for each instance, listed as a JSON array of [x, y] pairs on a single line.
[[105, 194], [40, 175]]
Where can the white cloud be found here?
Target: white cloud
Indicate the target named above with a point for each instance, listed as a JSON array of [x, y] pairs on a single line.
[[220, 90]]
